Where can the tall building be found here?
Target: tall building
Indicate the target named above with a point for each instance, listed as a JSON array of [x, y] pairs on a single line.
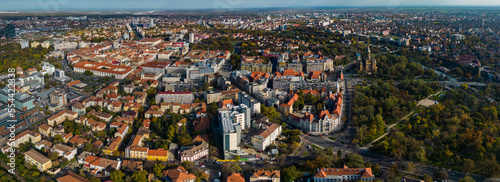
[[367, 65], [233, 119], [191, 38], [58, 97], [152, 24]]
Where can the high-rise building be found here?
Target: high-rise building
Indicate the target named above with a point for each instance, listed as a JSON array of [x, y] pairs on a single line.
[[191, 37], [233, 119]]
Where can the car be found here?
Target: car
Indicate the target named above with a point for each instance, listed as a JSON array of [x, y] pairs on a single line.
[[243, 163], [202, 166]]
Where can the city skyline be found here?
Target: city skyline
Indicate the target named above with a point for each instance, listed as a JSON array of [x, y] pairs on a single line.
[[60, 5]]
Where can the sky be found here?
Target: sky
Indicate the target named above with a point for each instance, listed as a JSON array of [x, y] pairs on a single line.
[[59, 5]]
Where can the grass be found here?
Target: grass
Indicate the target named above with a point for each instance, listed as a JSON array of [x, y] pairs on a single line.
[[315, 146], [332, 138], [401, 126]]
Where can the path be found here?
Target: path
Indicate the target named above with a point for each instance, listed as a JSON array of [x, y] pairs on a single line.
[[396, 123]]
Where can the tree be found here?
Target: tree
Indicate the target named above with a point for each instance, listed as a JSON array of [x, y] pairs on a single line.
[[58, 139], [187, 165], [140, 176], [468, 165], [158, 170], [442, 175], [88, 73], [88, 147], [354, 161], [290, 173], [467, 179], [95, 179], [427, 178], [230, 167], [117, 176], [237, 158]]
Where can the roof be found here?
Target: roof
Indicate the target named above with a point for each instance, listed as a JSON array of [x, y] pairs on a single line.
[[235, 177], [37, 156], [264, 133], [103, 67], [72, 177], [178, 174], [172, 92], [362, 172], [265, 173]]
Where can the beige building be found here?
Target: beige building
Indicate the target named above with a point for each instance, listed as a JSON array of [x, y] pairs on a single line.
[[36, 159], [61, 116], [272, 176]]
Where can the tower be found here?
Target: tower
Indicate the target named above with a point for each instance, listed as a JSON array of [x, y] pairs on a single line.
[[369, 52]]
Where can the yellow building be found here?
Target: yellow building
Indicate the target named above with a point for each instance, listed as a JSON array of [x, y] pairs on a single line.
[[157, 155], [113, 146], [36, 159]]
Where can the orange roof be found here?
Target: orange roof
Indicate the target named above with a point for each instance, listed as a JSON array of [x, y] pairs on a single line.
[[362, 172], [235, 177]]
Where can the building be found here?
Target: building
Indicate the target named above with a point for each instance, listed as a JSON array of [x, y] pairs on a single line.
[[36, 159], [155, 67], [101, 165], [58, 118], [24, 44], [233, 119], [250, 102], [24, 137], [235, 177], [174, 97], [194, 152], [191, 38], [71, 177], [178, 174], [343, 174], [266, 136], [103, 69], [64, 151], [58, 97], [271, 176], [157, 155], [367, 66]]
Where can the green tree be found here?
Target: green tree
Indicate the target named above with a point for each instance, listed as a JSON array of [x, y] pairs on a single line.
[[468, 166], [290, 173], [117, 176], [88, 73], [140, 176], [467, 179], [427, 178], [354, 161], [158, 170]]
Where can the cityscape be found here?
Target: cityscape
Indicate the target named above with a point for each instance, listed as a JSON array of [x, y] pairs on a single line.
[[250, 91]]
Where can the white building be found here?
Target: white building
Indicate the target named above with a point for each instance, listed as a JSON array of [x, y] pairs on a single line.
[[174, 97], [191, 38], [64, 151], [24, 44], [266, 136], [343, 174]]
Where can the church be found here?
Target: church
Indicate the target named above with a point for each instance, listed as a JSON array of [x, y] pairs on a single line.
[[368, 65]]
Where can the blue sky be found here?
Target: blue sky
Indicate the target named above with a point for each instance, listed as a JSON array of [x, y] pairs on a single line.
[[57, 5]]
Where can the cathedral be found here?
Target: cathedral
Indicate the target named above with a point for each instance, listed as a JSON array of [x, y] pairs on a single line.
[[368, 65]]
